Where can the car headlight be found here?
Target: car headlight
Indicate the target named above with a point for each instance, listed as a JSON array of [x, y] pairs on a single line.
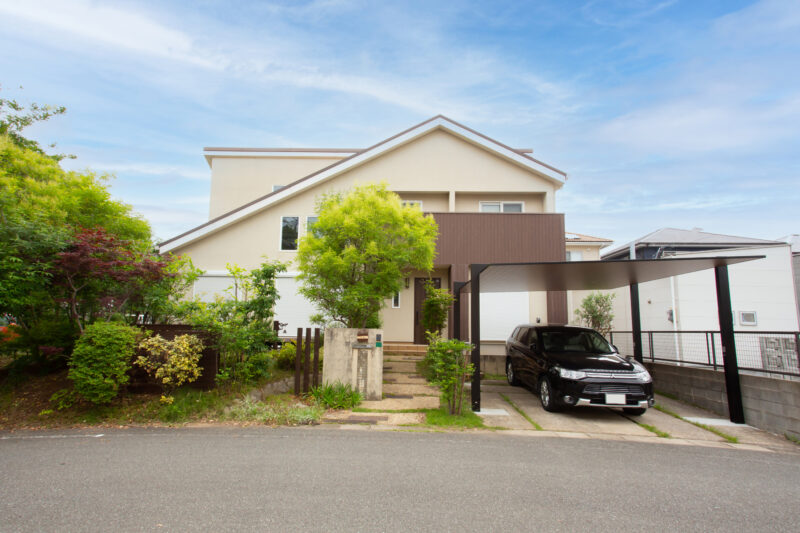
[[643, 375], [571, 374]]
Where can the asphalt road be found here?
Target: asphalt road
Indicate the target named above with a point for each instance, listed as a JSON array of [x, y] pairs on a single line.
[[326, 479]]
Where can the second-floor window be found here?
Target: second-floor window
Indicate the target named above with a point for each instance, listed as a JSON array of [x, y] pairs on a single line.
[[501, 207], [417, 203], [310, 221], [574, 256], [289, 227]]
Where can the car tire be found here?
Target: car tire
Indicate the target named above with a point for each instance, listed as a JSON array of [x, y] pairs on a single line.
[[546, 396], [511, 376], [635, 411]]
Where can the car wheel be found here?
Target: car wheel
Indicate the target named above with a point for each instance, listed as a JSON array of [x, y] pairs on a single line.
[[546, 396], [511, 376], [635, 411]]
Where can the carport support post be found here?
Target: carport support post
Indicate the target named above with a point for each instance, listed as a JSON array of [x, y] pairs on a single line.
[[636, 323], [732, 385], [475, 333]]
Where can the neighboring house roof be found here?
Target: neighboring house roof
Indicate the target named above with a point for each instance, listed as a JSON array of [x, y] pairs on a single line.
[[579, 238], [358, 158], [793, 240], [694, 238]]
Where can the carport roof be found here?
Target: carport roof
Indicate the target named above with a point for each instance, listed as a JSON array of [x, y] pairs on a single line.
[[592, 275]]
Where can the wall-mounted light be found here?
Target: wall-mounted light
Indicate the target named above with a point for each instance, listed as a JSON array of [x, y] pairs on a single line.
[[408, 282]]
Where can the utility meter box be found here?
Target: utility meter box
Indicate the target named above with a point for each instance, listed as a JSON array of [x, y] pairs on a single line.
[[355, 356]]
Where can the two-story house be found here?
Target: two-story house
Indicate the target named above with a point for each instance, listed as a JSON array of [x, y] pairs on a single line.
[[492, 203]]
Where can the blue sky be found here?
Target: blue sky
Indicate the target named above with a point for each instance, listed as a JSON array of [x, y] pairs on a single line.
[[663, 113]]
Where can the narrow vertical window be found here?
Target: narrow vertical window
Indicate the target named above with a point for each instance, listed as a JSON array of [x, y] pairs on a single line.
[[396, 300], [289, 227], [310, 221]]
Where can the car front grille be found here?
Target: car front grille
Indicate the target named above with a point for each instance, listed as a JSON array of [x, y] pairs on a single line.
[[612, 388]]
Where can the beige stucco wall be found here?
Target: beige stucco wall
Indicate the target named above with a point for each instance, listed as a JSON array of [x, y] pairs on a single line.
[[398, 324], [445, 172], [238, 180], [437, 162], [432, 202]]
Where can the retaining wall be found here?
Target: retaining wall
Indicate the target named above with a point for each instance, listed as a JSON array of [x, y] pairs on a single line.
[[772, 404]]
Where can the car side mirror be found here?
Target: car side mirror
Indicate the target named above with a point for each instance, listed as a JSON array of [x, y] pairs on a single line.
[[533, 346]]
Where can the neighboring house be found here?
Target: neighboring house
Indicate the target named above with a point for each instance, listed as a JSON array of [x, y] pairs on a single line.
[[581, 248], [762, 291], [492, 203], [794, 241]]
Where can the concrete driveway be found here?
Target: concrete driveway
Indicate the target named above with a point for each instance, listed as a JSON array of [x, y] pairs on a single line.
[[517, 408]]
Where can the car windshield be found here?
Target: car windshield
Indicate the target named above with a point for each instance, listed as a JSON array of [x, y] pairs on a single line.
[[584, 341]]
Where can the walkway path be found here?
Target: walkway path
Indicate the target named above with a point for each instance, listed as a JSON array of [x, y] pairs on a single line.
[[403, 390]]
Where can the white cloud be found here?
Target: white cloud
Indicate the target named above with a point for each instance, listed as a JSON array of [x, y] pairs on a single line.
[[111, 26], [154, 169]]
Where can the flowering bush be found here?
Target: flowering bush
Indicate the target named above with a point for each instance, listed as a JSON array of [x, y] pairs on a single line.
[[173, 363]]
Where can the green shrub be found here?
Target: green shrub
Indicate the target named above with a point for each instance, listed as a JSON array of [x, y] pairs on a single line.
[[284, 359], [173, 363], [101, 360], [254, 368], [448, 368], [336, 395], [435, 307]]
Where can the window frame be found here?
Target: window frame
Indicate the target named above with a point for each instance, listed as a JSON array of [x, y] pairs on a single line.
[[280, 234], [743, 322], [502, 204], [396, 296]]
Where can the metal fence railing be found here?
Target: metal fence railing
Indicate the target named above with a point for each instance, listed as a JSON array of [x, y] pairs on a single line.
[[771, 352]]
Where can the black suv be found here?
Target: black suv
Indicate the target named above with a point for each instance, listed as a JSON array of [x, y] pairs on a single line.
[[576, 366]]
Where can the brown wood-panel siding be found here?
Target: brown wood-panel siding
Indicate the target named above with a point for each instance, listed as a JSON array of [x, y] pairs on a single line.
[[557, 307], [472, 238]]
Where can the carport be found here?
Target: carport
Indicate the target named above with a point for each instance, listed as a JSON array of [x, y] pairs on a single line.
[[597, 275]]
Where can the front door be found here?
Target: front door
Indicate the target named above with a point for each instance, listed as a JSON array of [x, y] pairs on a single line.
[[419, 297]]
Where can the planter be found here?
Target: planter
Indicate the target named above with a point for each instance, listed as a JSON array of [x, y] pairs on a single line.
[[355, 357]]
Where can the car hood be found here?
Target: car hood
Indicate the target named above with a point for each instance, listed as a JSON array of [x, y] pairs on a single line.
[[580, 361]]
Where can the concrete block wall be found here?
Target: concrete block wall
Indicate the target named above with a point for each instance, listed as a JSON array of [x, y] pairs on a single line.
[[771, 404]]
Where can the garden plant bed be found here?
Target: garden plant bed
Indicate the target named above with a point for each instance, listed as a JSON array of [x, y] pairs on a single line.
[[27, 405]]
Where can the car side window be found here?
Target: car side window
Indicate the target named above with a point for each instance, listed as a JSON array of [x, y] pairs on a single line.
[[515, 333]]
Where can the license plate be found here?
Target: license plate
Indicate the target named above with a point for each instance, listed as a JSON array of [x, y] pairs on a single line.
[[615, 399]]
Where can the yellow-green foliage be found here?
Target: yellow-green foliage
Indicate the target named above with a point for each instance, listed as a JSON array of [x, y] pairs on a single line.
[[174, 362]]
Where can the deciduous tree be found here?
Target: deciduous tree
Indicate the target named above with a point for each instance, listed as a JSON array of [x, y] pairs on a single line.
[[356, 256]]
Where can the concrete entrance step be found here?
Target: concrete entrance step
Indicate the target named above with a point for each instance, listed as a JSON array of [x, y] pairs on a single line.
[[404, 348], [413, 389], [407, 367]]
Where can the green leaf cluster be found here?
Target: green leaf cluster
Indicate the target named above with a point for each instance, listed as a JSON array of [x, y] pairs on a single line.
[[101, 360], [172, 362], [358, 251], [336, 395], [242, 323], [448, 368], [596, 312], [435, 308]]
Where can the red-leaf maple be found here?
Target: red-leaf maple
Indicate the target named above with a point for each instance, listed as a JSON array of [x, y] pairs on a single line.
[[106, 264]]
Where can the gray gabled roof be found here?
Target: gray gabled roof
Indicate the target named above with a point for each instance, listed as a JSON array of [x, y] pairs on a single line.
[[690, 238]]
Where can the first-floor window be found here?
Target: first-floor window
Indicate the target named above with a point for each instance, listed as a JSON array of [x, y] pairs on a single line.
[[289, 227], [396, 300], [748, 318], [574, 256]]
